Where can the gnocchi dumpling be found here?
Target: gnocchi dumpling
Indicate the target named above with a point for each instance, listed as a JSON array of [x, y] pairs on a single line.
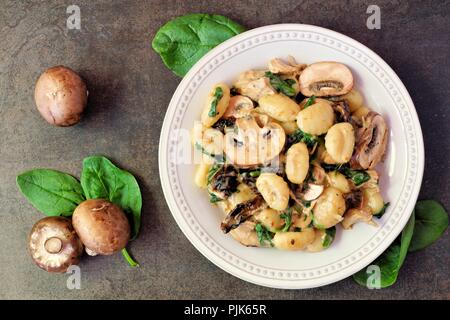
[[340, 141], [279, 107], [329, 208], [316, 119], [274, 190], [354, 100], [201, 174], [322, 240], [297, 163], [216, 104], [293, 240], [270, 219], [373, 199], [339, 181]]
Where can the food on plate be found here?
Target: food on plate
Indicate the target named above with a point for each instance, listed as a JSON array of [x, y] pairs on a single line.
[[289, 153], [53, 244], [102, 226], [61, 96]]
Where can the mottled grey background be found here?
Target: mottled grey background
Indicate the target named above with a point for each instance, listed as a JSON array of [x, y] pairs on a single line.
[[129, 91]]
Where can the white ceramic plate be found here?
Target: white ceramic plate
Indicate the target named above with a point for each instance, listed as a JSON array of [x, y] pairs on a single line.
[[401, 173]]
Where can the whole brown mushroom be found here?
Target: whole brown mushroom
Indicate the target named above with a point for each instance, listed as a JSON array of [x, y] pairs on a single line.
[[54, 245], [61, 96], [102, 226]]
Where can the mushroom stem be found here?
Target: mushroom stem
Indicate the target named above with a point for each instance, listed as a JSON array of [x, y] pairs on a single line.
[[129, 259]]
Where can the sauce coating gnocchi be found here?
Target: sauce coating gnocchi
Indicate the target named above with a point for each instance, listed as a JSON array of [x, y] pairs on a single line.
[[283, 173]]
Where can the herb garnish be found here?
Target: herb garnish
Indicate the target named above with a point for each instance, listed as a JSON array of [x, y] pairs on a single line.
[[263, 234], [283, 86], [218, 94]]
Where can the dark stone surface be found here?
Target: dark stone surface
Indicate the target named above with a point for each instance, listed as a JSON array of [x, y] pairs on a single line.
[[129, 91]]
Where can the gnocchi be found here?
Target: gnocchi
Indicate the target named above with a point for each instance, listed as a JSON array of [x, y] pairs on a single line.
[[329, 208], [279, 107], [340, 141], [216, 104], [274, 190], [285, 174], [293, 240], [297, 163], [316, 119]]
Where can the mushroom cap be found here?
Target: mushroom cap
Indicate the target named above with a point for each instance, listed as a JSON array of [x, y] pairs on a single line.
[[326, 79], [61, 96], [254, 143], [102, 226], [54, 245], [371, 142], [238, 107]]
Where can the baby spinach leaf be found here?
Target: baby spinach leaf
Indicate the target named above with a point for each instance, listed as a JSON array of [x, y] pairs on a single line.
[[263, 234], [283, 86], [287, 216], [330, 233], [391, 260], [182, 41], [51, 192], [213, 198], [309, 102], [100, 178], [431, 222], [298, 136], [218, 94]]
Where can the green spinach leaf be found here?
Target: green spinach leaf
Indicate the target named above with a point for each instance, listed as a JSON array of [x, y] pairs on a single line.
[[283, 86], [330, 233], [382, 211], [431, 222], [287, 216], [218, 94], [51, 192], [309, 102], [300, 136], [100, 178], [182, 41], [213, 198], [263, 234], [391, 260]]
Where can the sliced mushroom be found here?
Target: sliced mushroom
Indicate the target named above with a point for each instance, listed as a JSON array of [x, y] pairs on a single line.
[[238, 107], [312, 191], [251, 144], [342, 111], [224, 182], [371, 141], [254, 84], [326, 79], [318, 173], [291, 67], [54, 245], [241, 213], [353, 216], [354, 199], [246, 234]]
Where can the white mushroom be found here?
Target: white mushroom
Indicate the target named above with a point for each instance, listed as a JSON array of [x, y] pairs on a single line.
[[291, 67], [254, 84], [251, 144], [246, 234], [326, 79], [238, 107], [313, 191], [355, 215]]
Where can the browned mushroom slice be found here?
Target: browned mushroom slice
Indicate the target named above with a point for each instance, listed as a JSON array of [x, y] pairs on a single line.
[[342, 111], [254, 84], [353, 216], [251, 144], [238, 107], [246, 234], [241, 213], [371, 141], [312, 191], [326, 79], [318, 173], [291, 67], [54, 245], [354, 199]]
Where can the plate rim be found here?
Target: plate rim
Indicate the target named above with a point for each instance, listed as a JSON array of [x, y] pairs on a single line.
[[230, 268]]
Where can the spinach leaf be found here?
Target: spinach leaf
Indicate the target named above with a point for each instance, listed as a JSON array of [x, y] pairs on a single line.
[[213, 198], [100, 178], [182, 41], [255, 173], [218, 94], [330, 233], [283, 86], [300, 136], [357, 176], [309, 102], [212, 171], [217, 157], [287, 216], [263, 234], [431, 222], [51, 192], [391, 260]]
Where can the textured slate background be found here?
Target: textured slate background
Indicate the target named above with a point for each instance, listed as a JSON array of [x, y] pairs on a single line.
[[129, 91]]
